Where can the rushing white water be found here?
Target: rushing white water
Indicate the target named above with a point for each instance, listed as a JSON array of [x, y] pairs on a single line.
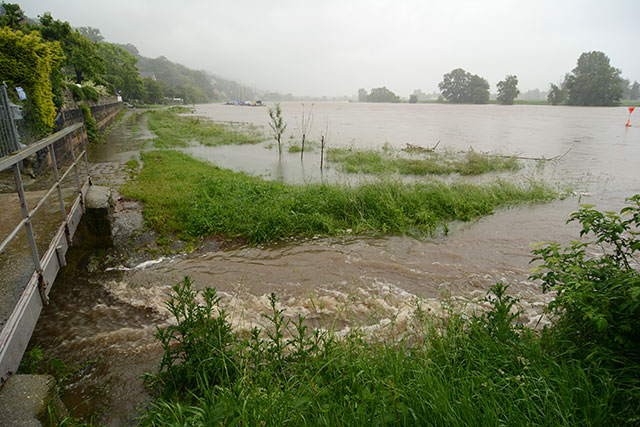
[[372, 281]]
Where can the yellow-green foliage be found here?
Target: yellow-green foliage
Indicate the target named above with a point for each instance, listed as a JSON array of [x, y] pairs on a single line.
[[27, 61]]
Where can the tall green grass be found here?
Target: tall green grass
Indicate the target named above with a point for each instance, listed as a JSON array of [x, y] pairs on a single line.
[[173, 130], [196, 199], [455, 371], [384, 162]]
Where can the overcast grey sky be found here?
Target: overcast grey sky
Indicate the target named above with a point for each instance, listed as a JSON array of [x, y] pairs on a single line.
[[334, 47]]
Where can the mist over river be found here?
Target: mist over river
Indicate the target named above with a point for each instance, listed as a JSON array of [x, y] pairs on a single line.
[[366, 280]]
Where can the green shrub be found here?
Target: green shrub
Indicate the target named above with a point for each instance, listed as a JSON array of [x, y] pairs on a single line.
[[198, 348], [76, 91], [90, 124], [28, 61], [90, 93], [597, 306]]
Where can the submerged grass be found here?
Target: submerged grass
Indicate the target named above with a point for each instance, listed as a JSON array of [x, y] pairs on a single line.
[[173, 130], [385, 162], [195, 199], [453, 371]]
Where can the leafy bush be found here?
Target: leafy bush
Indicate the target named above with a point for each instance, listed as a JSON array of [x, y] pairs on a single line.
[[28, 61], [90, 93], [90, 124], [597, 306], [76, 91], [198, 347]]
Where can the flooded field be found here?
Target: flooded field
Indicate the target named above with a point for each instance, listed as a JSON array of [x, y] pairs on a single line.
[[110, 316]]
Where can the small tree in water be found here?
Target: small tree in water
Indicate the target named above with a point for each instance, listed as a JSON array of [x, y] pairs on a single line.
[[307, 122], [277, 125]]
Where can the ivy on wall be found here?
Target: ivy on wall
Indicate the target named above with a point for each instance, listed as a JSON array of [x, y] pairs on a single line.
[[27, 60]]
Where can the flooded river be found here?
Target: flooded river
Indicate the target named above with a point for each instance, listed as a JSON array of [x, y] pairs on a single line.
[[340, 282]]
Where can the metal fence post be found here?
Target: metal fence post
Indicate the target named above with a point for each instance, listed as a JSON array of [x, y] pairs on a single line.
[[10, 137]]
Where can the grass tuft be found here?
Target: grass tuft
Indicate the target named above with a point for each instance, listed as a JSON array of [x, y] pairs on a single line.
[[173, 130], [445, 163], [195, 199]]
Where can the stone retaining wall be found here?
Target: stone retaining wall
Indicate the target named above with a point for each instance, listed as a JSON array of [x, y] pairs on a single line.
[[104, 115]]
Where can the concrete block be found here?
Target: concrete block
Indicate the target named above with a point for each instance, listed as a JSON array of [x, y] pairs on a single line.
[[95, 227], [24, 400], [98, 197]]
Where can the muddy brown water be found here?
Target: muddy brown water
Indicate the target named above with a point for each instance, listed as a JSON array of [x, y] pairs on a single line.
[[375, 281]]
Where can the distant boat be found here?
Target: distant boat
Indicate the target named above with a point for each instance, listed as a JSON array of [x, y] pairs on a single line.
[[246, 103]]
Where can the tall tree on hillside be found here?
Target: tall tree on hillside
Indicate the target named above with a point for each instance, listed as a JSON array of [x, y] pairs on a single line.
[[152, 91], [460, 86], [81, 54], [12, 17], [92, 34], [594, 81], [508, 90], [121, 74]]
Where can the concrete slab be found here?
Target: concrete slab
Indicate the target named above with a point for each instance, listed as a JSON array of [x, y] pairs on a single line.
[[24, 400]]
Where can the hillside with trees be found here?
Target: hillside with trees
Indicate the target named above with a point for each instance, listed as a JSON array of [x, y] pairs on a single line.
[[48, 58]]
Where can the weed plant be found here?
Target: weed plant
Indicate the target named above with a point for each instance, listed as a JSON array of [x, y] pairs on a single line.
[[386, 162], [195, 199], [482, 370], [173, 130], [485, 369], [310, 146], [597, 307]]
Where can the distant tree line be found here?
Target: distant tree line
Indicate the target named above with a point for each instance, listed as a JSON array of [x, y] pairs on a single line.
[[48, 57], [593, 82], [378, 94]]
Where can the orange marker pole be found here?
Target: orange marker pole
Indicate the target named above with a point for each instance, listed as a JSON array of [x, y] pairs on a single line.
[[629, 120]]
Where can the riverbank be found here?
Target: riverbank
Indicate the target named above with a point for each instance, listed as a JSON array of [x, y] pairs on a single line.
[[337, 283]]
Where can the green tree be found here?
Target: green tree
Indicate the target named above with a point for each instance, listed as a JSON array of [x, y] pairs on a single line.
[[556, 94], [362, 95], [634, 93], [277, 125], [81, 54], [625, 84], [459, 86], [413, 98], [12, 17], [121, 74], [382, 94], [594, 81], [152, 91], [478, 90], [92, 34], [508, 90]]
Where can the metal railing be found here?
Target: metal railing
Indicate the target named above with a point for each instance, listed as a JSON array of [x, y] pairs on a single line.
[[9, 137], [17, 330]]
